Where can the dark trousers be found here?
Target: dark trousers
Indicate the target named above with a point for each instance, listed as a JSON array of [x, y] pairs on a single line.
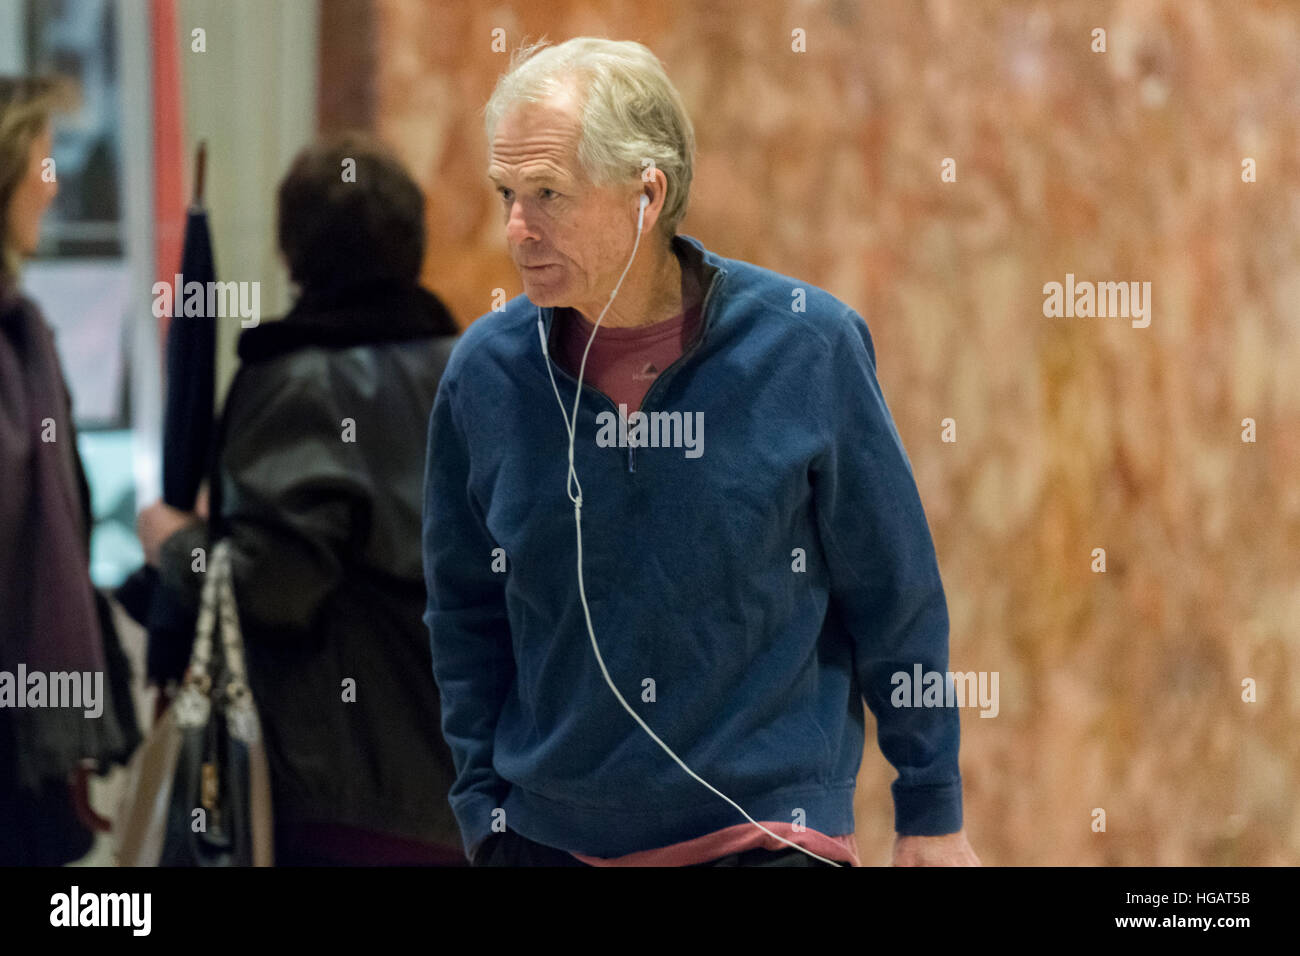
[[512, 849]]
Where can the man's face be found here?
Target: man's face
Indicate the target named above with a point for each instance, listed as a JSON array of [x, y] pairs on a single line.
[[569, 238]]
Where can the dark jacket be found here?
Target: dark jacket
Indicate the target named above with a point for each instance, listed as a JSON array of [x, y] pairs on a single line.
[[317, 481], [38, 823]]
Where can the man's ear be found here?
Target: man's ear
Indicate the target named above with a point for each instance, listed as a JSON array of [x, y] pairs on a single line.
[[657, 184]]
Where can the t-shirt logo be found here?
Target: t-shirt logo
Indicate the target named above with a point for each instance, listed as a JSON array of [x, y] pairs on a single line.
[[648, 372]]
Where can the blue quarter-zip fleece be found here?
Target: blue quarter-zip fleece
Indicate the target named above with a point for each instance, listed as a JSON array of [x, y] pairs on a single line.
[[745, 601]]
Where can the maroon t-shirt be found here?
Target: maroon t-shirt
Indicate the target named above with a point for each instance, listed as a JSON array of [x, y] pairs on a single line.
[[624, 363]]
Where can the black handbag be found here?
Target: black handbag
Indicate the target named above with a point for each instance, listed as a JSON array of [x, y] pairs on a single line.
[[219, 812]]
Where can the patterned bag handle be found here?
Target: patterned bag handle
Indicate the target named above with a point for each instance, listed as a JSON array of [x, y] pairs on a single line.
[[241, 714], [194, 701]]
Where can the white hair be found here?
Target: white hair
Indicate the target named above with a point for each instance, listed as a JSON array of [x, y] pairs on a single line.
[[630, 114]]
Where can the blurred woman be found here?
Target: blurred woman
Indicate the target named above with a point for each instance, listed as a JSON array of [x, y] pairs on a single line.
[[51, 618], [320, 462]]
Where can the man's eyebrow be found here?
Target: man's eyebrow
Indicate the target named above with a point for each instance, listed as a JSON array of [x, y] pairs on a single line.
[[528, 178]]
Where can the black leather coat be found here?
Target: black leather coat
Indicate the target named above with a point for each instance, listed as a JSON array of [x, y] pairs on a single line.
[[318, 482]]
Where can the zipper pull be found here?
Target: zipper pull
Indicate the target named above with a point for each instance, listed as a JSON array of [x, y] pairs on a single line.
[[631, 458]]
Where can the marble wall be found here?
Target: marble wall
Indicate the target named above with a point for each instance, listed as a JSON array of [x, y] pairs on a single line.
[[1119, 690]]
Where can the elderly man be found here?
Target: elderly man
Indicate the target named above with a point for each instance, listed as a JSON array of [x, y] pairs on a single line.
[[653, 649]]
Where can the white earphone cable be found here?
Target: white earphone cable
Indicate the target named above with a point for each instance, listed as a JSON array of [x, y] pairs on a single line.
[[570, 424]]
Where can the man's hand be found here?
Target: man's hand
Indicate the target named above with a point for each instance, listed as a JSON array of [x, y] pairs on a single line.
[[155, 524], [948, 850]]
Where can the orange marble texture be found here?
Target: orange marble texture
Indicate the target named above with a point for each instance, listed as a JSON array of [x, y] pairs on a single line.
[[1122, 690]]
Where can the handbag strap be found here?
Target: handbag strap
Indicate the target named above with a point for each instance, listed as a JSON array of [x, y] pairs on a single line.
[[194, 702], [194, 699], [241, 714]]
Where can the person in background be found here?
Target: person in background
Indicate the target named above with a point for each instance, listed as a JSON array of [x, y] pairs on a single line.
[[52, 620], [317, 483]]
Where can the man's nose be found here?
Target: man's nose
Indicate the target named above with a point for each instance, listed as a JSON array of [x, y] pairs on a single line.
[[517, 227]]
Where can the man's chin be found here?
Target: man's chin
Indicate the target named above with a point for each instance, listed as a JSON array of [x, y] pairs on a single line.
[[544, 296]]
